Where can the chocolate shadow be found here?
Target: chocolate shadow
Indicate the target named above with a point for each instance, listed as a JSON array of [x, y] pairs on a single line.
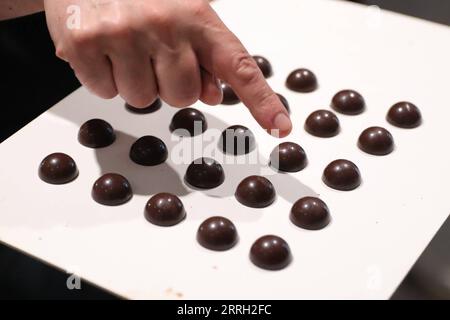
[[169, 177]]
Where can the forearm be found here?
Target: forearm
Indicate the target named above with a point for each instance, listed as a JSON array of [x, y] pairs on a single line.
[[15, 8]]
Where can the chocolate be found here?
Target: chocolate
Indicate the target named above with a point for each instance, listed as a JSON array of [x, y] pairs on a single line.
[[302, 80], [376, 140], [58, 168], [188, 121], [96, 133], [205, 173], [348, 102], [255, 192], [217, 233], [148, 151], [264, 65], [165, 209], [288, 157], [404, 115], [111, 189], [284, 102], [155, 106], [229, 96], [310, 213], [237, 140], [271, 253], [322, 123], [342, 175]]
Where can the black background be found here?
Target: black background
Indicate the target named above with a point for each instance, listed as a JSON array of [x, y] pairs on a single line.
[[33, 80]]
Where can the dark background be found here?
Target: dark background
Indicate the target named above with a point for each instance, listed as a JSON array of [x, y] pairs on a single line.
[[33, 80]]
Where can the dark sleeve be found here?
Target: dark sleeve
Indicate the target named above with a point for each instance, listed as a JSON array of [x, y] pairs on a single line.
[[32, 78]]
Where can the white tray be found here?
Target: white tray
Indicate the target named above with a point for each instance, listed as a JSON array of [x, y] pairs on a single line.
[[377, 232]]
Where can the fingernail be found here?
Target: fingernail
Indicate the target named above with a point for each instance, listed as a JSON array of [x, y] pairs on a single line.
[[282, 122]]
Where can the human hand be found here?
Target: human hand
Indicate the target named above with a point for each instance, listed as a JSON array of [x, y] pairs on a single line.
[[175, 49]]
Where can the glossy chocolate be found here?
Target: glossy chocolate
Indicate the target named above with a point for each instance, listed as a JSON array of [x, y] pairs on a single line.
[[376, 140], [264, 65], [310, 213], [404, 115], [322, 123], [229, 96], [58, 168], [342, 175], [255, 192], [288, 157], [348, 102], [205, 173], [271, 253], [96, 133], [237, 140], [217, 233], [284, 102], [111, 189], [302, 80], [155, 106], [188, 121], [148, 151], [165, 209]]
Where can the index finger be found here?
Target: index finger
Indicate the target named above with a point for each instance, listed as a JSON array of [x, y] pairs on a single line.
[[223, 55]]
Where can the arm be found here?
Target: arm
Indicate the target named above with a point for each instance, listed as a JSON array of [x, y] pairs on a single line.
[[16, 8]]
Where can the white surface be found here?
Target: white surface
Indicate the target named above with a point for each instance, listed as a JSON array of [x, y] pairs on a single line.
[[377, 232]]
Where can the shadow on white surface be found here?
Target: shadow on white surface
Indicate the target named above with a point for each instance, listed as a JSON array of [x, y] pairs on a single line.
[[169, 177], [145, 180]]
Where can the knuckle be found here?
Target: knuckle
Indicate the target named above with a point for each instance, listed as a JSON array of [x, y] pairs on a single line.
[[161, 20], [244, 67], [198, 8], [83, 38], [117, 30], [60, 52], [266, 100]]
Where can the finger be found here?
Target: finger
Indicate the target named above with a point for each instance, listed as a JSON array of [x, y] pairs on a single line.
[[178, 74], [223, 55], [211, 93], [94, 71], [134, 77]]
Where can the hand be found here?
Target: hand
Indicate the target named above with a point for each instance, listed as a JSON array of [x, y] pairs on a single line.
[[176, 49]]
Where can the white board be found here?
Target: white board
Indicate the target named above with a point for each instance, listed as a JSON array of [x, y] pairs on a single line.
[[377, 231]]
